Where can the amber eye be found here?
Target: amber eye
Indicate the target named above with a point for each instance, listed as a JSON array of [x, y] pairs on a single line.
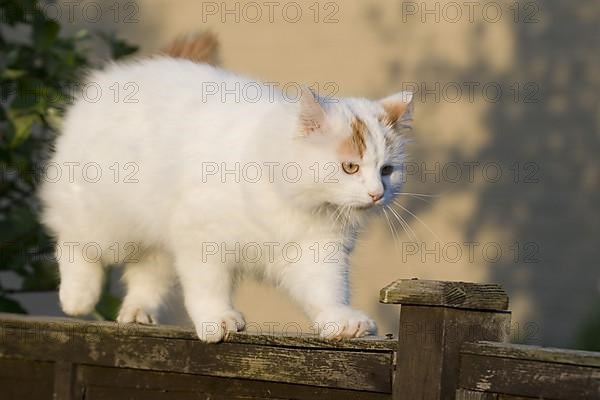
[[350, 167], [387, 170]]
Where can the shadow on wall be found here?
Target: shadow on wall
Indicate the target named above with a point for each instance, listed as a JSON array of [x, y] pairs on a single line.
[[545, 136]]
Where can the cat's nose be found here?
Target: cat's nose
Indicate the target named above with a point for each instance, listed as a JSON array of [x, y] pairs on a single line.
[[376, 196]]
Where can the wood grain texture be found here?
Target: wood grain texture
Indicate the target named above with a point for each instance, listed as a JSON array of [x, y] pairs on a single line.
[[63, 379], [462, 394], [527, 378], [51, 324], [465, 326], [534, 353], [100, 383], [519, 372], [463, 295], [81, 343], [429, 344], [523, 372], [419, 370]]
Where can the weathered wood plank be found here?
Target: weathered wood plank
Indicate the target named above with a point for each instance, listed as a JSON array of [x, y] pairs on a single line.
[[23, 379], [63, 380], [418, 371], [538, 379], [359, 370], [465, 326], [369, 343], [462, 394], [429, 344], [535, 353], [463, 295], [100, 383]]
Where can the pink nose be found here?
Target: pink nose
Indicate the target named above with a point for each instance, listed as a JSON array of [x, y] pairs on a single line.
[[376, 196]]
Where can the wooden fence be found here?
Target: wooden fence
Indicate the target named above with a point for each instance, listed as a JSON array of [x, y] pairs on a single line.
[[451, 344]]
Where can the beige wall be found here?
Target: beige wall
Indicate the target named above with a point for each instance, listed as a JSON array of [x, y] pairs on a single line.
[[373, 49]]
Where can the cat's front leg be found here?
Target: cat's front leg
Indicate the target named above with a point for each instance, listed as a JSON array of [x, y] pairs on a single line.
[[207, 287], [319, 283]]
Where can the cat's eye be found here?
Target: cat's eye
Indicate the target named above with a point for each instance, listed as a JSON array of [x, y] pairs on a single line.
[[387, 170], [350, 168]]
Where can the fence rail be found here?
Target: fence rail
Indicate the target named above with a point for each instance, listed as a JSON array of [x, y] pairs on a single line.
[[449, 346], [491, 370]]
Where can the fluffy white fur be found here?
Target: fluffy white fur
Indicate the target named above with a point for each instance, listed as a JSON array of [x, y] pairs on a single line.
[[164, 212]]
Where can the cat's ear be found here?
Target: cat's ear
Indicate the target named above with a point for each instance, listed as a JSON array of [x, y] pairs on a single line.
[[312, 114], [398, 110]]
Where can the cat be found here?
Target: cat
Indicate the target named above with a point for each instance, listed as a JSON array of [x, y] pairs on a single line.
[[180, 175]]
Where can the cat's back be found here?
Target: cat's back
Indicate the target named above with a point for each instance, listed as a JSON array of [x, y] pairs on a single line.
[[157, 101], [162, 76], [156, 85]]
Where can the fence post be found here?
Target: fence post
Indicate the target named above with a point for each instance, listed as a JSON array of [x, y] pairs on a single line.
[[436, 317]]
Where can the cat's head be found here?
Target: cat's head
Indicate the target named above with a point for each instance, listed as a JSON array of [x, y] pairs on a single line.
[[357, 147]]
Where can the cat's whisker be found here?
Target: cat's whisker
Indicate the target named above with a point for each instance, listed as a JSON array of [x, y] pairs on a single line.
[[347, 218], [338, 213], [405, 225], [415, 194], [339, 217], [397, 240], [392, 229], [420, 220], [422, 199]]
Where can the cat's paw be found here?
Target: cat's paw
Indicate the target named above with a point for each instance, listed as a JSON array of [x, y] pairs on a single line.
[[344, 322], [214, 328], [136, 315], [77, 300]]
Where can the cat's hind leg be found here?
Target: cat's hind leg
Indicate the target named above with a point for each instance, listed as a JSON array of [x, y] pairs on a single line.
[[148, 278], [81, 279]]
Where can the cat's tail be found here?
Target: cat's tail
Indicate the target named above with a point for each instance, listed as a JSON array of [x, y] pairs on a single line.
[[202, 47]]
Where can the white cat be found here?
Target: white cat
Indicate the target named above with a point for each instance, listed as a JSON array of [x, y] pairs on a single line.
[[181, 170]]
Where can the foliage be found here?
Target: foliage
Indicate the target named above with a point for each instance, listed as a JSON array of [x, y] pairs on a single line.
[[37, 76]]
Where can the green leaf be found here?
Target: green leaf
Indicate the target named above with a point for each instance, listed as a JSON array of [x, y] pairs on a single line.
[[22, 128], [10, 306], [53, 117], [13, 74]]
